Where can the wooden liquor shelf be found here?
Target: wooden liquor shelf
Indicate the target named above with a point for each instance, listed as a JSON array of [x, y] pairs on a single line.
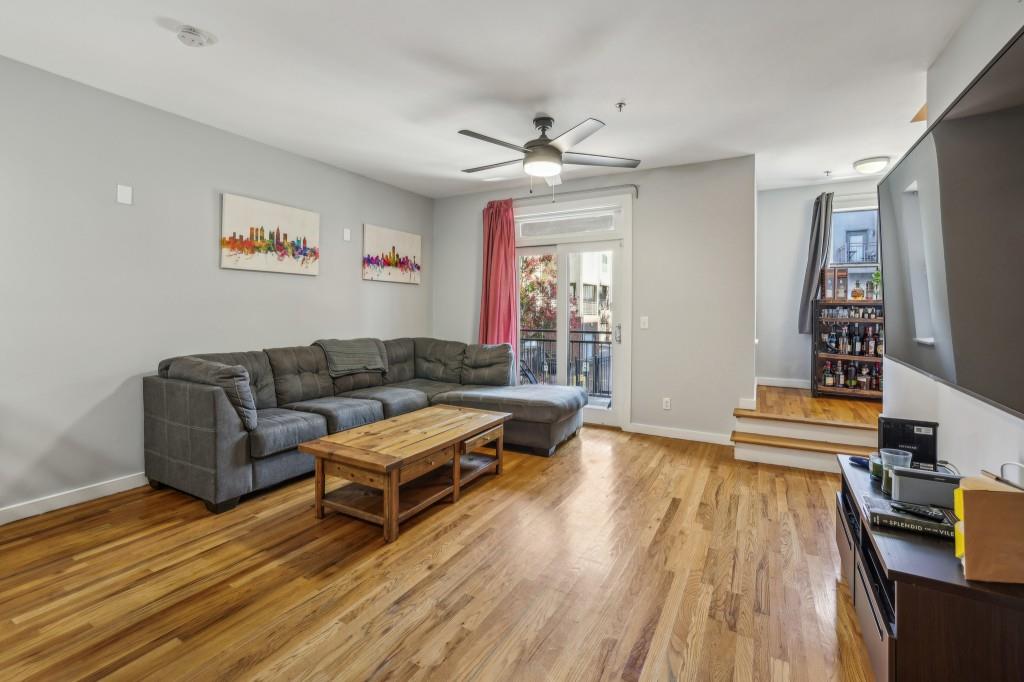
[[824, 317]]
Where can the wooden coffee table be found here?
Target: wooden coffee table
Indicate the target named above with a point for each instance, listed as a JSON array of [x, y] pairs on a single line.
[[400, 466]]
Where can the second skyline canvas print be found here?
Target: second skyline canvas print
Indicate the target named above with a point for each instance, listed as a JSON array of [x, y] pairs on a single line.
[[391, 255]]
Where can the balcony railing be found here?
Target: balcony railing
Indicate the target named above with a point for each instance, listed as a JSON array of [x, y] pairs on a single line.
[[856, 254], [589, 359]]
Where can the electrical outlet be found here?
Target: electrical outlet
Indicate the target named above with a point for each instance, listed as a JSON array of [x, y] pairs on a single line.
[[666, 403], [644, 322]]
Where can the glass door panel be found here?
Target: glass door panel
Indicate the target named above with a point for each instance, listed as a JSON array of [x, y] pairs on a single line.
[[591, 324], [538, 315]]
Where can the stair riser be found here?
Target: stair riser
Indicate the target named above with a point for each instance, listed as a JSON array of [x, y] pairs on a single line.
[[831, 434], [787, 457]]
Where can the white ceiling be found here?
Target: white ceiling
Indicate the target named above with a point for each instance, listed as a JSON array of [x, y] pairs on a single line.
[[380, 87]]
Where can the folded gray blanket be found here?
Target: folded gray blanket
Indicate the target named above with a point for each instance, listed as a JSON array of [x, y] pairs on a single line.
[[353, 356]]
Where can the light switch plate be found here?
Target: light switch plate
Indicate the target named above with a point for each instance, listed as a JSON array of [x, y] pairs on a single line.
[[644, 323], [347, 233], [124, 194]]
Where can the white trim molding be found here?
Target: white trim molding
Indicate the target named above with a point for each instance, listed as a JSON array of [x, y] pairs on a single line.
[[784, 382], [748, 403], [41, 505], [679, 434]]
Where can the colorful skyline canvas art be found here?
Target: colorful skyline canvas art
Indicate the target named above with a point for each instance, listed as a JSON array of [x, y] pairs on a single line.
[[391, 255], [259, 235]]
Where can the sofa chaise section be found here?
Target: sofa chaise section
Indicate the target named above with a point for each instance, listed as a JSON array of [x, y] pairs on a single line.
[[543, 416]]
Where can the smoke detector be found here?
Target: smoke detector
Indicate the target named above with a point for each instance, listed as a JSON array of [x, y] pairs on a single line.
[[191, 36]]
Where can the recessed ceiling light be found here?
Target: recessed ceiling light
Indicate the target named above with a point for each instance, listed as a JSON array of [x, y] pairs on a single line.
[[871, 165], [192, 37]]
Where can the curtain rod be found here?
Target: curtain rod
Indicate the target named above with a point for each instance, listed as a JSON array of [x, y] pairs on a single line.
[[634, 188]]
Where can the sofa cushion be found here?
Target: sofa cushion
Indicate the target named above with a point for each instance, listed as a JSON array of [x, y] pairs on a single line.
[[530, 402], [234, 379], [488, 364], [439, 360], [300, 373], [280, 430], [256, 363], [352, 382], [430, 388], [401, 360], [395, 400], [341, 413]]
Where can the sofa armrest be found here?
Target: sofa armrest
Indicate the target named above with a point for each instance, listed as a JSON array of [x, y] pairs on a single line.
[[488, 365], [194, 440]]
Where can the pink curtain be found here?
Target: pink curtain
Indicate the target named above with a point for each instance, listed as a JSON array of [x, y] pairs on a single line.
[[499, 301]]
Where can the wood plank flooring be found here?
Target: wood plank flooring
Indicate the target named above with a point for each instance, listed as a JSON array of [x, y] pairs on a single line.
[[623, 557], [799, 403]]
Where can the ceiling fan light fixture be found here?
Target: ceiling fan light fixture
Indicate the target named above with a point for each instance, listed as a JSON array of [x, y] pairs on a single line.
[[543, 162], [871, 165]]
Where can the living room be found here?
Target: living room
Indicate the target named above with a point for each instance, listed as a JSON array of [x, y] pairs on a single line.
[[350, 363]]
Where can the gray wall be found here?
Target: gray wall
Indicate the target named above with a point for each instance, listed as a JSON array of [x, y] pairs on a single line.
[[783, 228], [98, 292], [695, 219], [974, 44]]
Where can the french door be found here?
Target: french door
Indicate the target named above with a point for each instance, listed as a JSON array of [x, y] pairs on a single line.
[[572, 322]]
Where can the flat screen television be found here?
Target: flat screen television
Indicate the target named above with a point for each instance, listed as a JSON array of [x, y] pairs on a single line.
[[951, 216]]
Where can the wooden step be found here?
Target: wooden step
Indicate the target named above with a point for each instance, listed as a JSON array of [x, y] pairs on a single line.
[[743, 413], [818, 446]]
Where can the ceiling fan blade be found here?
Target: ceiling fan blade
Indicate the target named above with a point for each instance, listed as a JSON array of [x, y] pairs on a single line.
[[553, 180], [572, 137], [493, 165], [598, 160], [492, 140]]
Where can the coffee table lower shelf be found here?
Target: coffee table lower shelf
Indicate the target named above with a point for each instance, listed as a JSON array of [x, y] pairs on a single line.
[[366, 503]]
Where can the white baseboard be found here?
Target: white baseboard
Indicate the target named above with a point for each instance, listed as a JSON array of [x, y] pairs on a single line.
[[67, 498], [680, 434], [783, 382], [748, 403]]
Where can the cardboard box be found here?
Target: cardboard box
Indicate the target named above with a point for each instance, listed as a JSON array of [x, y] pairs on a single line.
[[992, 531]]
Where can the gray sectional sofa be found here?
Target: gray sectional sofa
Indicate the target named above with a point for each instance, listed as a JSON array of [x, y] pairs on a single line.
[[199, 439]]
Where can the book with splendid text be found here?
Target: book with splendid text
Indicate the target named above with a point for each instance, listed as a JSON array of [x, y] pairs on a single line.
[[880, 513]]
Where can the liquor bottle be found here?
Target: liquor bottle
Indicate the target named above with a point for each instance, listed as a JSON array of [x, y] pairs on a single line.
[[851, 375], [827, 378], [880, 345], [870, 350], [840, 373], [832, 340], [843, 339], [856, 344], [857, 293]]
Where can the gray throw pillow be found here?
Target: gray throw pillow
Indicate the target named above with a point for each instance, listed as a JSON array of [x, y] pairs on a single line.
[[234, 379]]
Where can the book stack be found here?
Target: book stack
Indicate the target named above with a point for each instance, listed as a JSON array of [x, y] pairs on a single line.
[[881, 513], [989, 535]]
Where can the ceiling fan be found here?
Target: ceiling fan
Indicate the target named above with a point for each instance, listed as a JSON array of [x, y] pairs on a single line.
[[543, 157]]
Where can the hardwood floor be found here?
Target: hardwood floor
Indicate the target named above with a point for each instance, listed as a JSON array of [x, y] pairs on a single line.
[[623, 557], [799, 403]]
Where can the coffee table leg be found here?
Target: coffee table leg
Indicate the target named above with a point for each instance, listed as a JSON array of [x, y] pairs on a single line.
[[318, 489], [391, 506], [500, 452], [457, 473]]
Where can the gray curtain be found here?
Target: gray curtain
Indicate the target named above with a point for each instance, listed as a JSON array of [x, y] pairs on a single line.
[[817, 258]]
